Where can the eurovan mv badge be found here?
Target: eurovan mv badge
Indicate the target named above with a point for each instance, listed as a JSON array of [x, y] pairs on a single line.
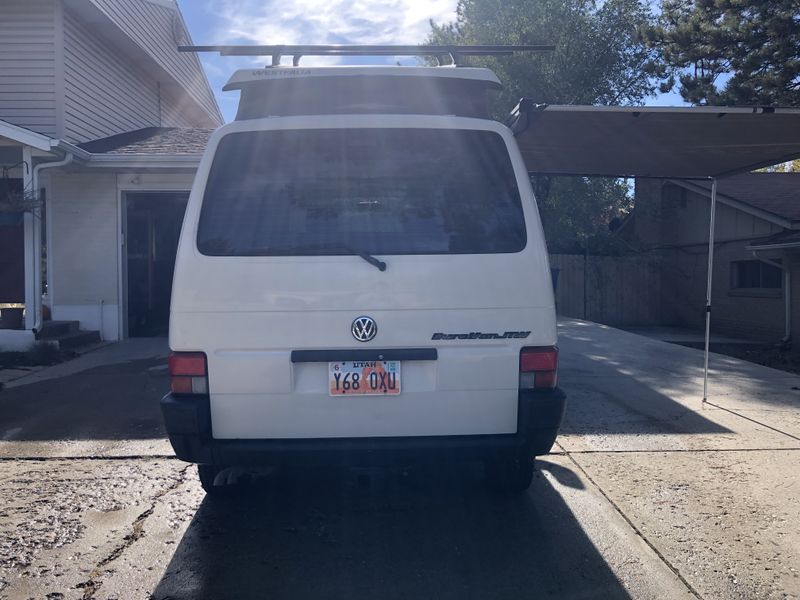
[[477, 335]]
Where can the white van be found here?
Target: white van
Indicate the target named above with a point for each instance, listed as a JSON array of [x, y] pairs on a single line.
[[362, 276]]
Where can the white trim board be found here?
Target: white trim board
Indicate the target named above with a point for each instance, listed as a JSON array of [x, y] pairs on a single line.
[[26, 136]]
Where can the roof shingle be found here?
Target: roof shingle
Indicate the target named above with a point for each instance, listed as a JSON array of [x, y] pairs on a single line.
[[776, 193], [152, 140]]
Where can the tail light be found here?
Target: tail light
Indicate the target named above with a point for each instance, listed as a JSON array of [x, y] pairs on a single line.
[[188, 373], [538, 368]]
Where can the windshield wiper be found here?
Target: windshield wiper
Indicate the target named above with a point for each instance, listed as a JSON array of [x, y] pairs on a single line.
[[375, 262], [286, 251]]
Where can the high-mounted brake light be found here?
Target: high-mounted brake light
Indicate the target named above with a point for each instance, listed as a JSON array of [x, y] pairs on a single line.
[[538, 367], [188, 373]]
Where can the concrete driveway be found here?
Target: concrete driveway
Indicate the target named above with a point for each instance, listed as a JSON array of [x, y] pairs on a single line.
[[649, 494]]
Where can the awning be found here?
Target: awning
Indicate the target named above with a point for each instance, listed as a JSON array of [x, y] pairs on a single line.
[[676, 143], [646, 141]]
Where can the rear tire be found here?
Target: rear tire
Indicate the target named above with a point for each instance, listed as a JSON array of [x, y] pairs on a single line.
[[509, 475]]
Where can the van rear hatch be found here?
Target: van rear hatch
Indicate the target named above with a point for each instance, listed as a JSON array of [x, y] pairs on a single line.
[[285, 236]]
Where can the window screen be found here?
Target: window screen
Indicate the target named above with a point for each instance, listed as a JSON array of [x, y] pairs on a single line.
[[380, 191], [755, 274]]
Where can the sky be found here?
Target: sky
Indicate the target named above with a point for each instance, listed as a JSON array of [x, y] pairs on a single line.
[[311, 22]]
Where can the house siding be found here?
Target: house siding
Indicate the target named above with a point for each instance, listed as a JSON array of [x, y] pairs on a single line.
[[172, 113], [83, 250], [734, 312], [156, 29], [686, 220], [103, 94], [673, 223], [27, 64]]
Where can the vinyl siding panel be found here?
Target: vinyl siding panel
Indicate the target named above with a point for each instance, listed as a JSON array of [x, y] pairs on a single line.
[[683, 287], [158, 30], [27, 64], [172, 114], [688, 221], [103, 94], [673, 224], [83, 211]]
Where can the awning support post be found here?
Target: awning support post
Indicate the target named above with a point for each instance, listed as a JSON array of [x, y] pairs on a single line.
[[709, 285]]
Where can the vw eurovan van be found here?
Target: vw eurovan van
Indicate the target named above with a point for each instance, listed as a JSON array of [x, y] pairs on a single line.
[[362, 276]]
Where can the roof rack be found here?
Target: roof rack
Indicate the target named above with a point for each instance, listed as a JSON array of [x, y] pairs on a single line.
[[455, 53]]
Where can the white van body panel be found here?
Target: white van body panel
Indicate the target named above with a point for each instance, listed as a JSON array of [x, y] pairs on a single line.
[[248, 313]]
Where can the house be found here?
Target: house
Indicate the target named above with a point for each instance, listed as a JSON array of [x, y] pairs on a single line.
[[756, 286], [102, 124]]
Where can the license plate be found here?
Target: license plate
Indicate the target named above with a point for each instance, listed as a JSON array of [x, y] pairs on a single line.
[[364, 378]]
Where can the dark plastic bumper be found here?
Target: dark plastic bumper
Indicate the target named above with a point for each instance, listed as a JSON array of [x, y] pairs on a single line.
[[188, 423]]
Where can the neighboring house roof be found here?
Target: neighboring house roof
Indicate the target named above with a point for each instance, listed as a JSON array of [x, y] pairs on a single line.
[[152, 141], [775, 194], [784, 239]]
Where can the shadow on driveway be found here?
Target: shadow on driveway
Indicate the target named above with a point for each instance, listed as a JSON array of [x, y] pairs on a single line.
[[422, 533], [112, 402], [613, 388]]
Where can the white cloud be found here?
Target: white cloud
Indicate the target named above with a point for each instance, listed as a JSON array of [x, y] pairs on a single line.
[[328, 21], [312, 22]]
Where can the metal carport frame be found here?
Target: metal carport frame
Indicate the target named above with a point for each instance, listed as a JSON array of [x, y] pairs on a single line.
[[705, 142]]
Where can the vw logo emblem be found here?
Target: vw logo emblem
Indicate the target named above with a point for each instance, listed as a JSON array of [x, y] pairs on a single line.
[[364, 329]]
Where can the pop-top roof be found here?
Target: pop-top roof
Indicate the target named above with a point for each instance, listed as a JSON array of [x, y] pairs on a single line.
[[244, 77], [293, 91], [297, 91]]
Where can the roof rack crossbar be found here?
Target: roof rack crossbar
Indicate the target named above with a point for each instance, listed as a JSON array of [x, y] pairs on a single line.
[[439, 52]]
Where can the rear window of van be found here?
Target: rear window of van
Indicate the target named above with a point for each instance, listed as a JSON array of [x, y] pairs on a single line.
[[384, 191]]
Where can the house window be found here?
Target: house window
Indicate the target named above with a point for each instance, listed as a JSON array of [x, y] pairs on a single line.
[[755, 274]]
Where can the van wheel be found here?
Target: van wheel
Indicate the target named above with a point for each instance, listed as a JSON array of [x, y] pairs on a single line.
[[208, 475], [509, 475]]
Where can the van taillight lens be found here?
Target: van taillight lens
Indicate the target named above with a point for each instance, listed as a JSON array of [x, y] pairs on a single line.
[[538, 368], [188, 373]]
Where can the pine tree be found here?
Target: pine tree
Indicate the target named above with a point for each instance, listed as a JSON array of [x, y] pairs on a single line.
[[729, 52]]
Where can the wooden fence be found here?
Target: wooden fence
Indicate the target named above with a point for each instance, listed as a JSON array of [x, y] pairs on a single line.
[[616, 290]]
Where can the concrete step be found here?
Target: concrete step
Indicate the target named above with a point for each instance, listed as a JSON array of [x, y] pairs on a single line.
[[52, 330], [76, 339]]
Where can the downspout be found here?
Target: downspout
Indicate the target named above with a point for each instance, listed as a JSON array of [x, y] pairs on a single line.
[[787, 295], [68, 158]]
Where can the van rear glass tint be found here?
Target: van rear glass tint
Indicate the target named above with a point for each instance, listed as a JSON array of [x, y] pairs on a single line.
[[383, 191]]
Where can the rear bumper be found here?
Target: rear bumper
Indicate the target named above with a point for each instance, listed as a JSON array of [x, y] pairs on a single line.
[[188, 424]]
